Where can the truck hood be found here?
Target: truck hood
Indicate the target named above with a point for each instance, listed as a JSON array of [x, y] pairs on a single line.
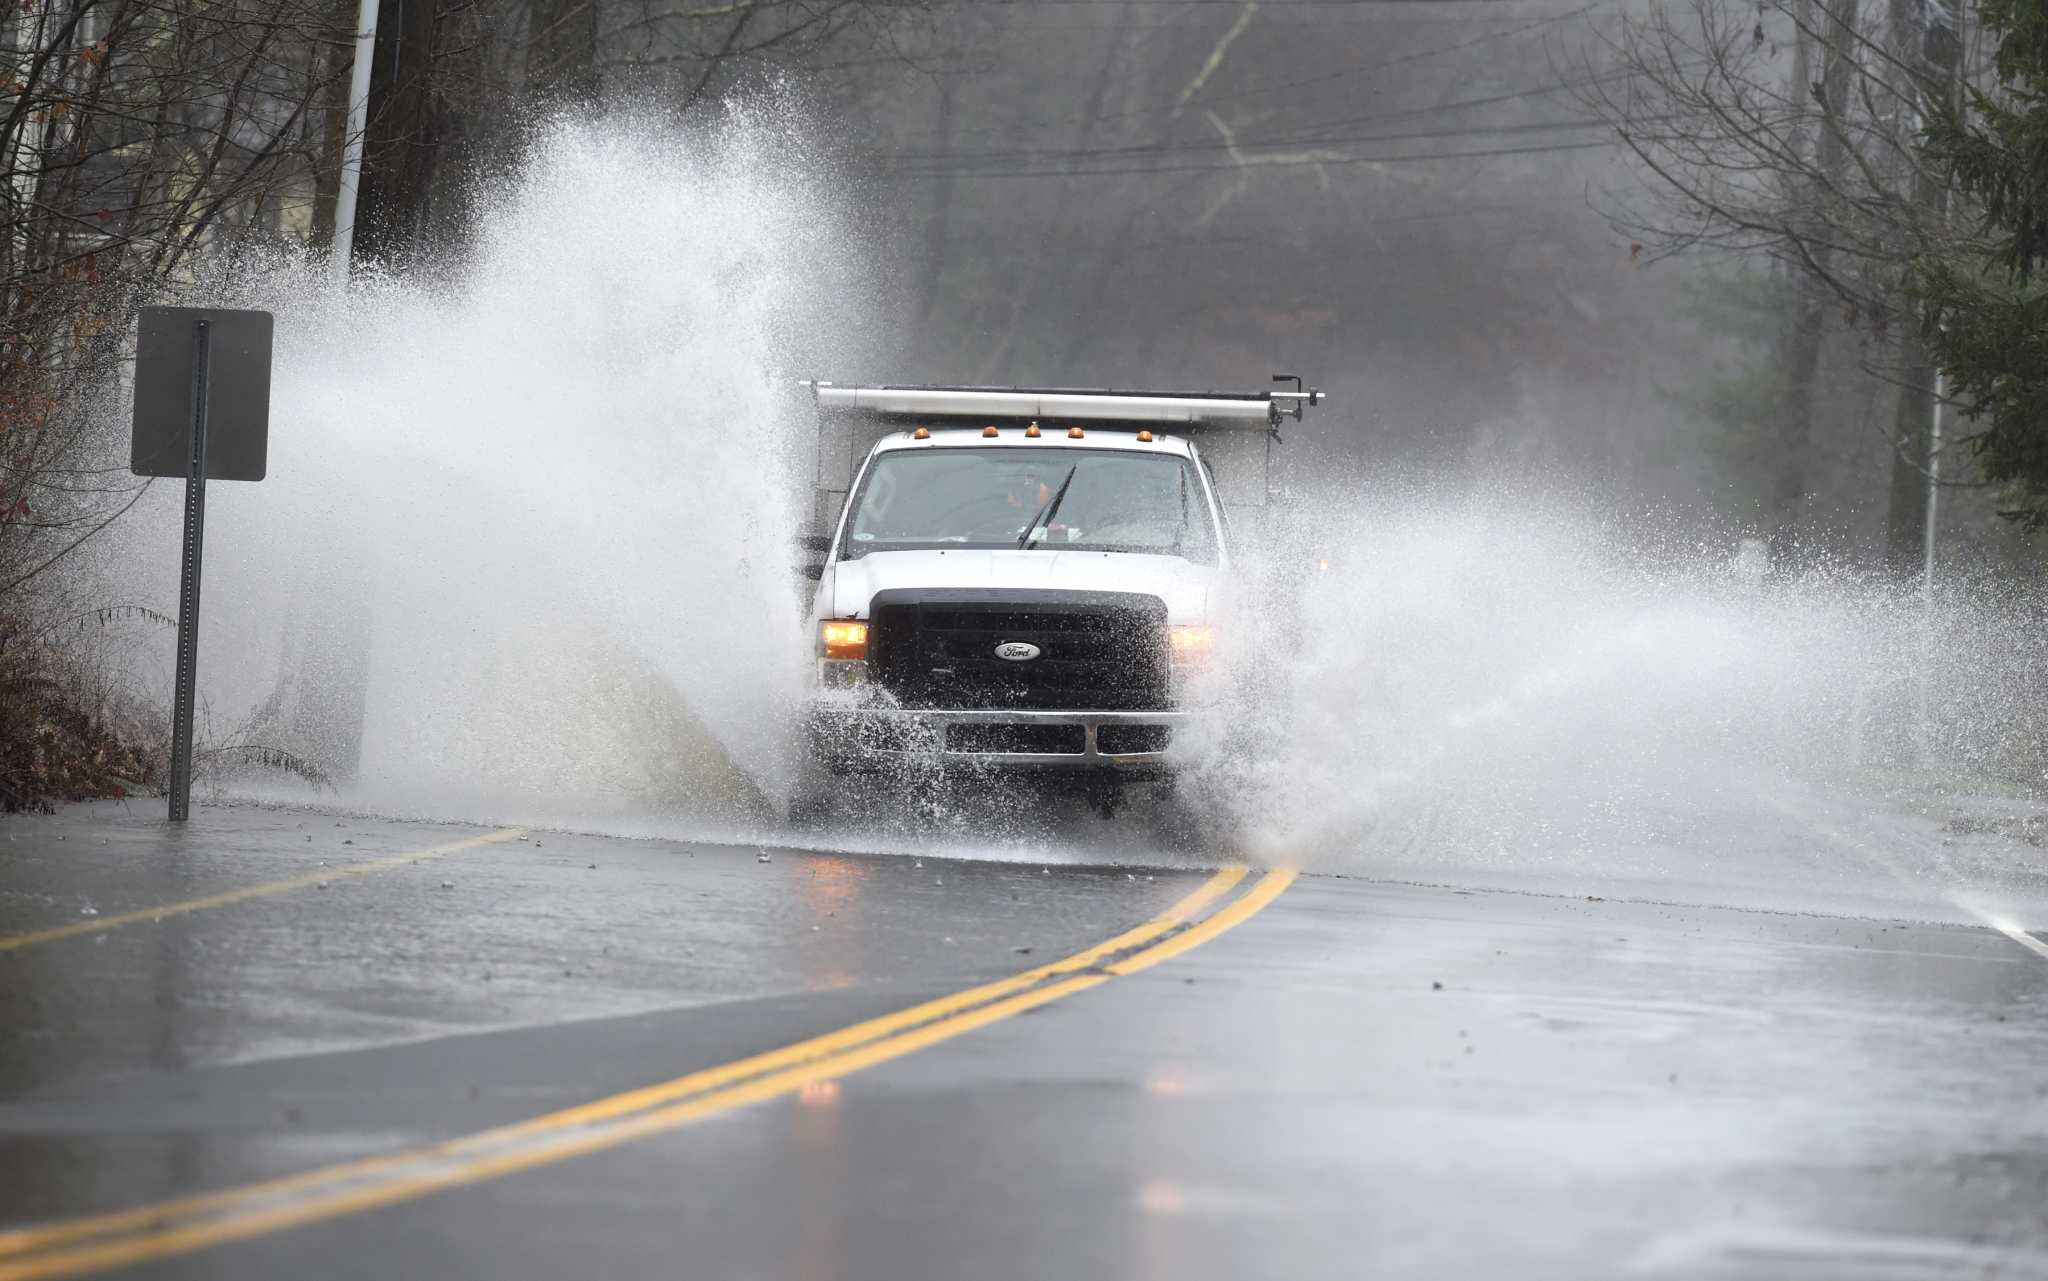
[[1186, 588]]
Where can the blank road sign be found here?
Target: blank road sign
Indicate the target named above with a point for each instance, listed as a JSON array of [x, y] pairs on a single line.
[[237, 397]]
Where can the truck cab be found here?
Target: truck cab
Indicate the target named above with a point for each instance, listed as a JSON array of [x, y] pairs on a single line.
[[1019, 580]]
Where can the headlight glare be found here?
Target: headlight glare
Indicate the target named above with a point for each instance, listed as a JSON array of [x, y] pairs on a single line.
[[1191, 642], [843, 638]]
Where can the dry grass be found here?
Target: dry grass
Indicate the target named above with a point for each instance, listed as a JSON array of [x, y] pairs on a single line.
[[60, 740]]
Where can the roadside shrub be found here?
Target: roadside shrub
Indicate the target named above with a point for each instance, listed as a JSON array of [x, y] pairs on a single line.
[[62, 736]]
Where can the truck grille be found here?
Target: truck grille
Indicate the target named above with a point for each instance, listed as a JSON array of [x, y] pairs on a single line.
[[1046, 740], [1103, 651]]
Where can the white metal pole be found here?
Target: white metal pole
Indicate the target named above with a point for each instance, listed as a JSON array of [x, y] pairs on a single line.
[[352, 146], [1933, 486], [1927, 564]]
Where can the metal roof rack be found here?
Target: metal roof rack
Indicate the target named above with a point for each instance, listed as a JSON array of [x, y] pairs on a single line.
[[1261, 410]]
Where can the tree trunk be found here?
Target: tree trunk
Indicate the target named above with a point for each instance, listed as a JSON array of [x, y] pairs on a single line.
[[1800, 343], [404, 134], [336, 63], [1799, 352]]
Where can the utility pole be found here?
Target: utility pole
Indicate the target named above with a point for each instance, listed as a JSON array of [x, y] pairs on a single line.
[[1957, 18], [1925, 742], [352, 148], [1800, 342], [1933, 487]]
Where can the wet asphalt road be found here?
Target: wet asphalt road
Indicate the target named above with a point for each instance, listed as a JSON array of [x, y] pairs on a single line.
[[1362, 1079]]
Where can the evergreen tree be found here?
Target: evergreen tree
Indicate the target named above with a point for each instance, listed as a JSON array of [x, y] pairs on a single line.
[[1987, 302]]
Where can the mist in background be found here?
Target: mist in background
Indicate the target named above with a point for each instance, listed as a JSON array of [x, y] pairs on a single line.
[[1409, 204], [1396, 201]]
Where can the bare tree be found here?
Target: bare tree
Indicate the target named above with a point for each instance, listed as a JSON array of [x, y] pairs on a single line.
[[1789, 130], [140, 133], [138, 136]]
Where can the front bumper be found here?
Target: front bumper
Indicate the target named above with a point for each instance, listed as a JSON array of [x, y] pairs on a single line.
[[867, 739]]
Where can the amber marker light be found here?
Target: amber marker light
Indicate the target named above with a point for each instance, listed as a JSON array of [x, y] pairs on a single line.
[[922, 433], [1032, 432], [844, 638], [1191, 642], [988, 431], [1144, 437], [1075, 433]]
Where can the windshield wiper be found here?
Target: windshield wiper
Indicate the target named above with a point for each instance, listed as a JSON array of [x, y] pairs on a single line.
[[1046, 513]]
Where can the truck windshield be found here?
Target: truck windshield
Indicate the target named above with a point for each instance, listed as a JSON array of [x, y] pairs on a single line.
[[1113, 501]]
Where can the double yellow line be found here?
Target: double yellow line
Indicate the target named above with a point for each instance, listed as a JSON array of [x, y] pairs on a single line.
[[76, 1246]]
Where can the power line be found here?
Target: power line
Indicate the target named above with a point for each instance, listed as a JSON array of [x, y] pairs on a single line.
[[1271, 242], [1310, 139], [1278, 163], [1419, 135], [1519, 95]]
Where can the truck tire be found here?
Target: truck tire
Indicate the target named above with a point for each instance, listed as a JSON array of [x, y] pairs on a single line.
[[1177, 824]]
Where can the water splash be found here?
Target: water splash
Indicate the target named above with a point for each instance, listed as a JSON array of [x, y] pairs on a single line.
[[529, 533], [1505, 689]]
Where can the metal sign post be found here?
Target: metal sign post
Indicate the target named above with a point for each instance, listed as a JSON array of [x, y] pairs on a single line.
[[202, 411], [188, 585]]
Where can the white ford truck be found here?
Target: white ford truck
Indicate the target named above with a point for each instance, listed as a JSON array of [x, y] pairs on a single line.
[[1016, 579]]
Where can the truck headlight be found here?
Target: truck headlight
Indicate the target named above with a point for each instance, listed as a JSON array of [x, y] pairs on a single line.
[[843, 639], [1190, 643]]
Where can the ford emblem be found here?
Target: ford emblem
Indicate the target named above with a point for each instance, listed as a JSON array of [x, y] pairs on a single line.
[[1017, 651]]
